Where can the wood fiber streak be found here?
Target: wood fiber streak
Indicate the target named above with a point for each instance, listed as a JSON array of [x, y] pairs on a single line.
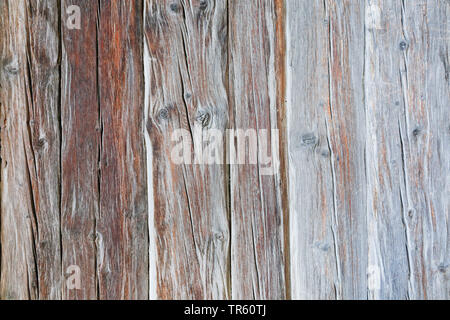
[[344, 194], [122, 233], [257, 242], [186, 73]]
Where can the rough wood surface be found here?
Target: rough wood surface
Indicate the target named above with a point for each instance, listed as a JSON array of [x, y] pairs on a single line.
[[80, 150], [355, 91], [186, 73], [257, 242]]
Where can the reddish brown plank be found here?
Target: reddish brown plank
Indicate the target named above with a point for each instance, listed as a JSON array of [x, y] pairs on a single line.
[[80, 150], [122, 226]]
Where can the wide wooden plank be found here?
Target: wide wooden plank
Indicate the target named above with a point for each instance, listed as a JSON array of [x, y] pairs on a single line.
[[257, 222], [185, 79], [80, 150], [122, 226]]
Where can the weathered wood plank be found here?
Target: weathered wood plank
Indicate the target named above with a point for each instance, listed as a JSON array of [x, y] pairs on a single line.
[[19, 265], [425, 143], [346, 136], [387, 250], [37, 113], [185, 78], [122, 226], [327, 124], [313, 260], [80, 150], [43, 50], [257, 242]]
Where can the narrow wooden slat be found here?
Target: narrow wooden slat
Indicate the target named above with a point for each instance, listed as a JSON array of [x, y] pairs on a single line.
[[313, 256], [43, 66], [80, 150], [388, 257], [185, 79], [257, 243], [122, 223], [424, 135], [19, 264], [346, 137]]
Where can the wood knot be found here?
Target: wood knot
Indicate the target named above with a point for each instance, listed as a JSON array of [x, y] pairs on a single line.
[[443, 268], [175, 7], [203, 5], [309, 139], [403, 45], [204, 118], [163, 114], [41, 143], [325, 153], [11, 66], [416, 132]]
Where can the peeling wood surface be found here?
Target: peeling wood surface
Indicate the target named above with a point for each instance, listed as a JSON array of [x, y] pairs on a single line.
[[357, 207]]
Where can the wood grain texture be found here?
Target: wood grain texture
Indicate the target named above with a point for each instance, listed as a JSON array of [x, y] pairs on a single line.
[[327, 134], [187, 54], [257, 242], [34, 63], [424, 137], [356, 208], [19, 274], [80, 149], [313, 252], [122, 233]]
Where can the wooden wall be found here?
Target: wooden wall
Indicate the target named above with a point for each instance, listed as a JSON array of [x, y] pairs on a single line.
[[355, 96]]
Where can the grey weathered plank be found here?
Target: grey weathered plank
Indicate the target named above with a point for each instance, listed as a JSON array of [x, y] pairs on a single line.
[[185, 79], [326, 134], [257, 222], [313, 260], [80, 149], [387, 254], [425, 143]]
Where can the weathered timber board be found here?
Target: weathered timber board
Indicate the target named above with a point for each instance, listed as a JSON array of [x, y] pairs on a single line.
[[356, 208]]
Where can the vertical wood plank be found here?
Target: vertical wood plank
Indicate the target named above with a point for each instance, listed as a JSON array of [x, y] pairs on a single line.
[[425, 142], [313, 255], [43, 48], [387, 240], [122, 253], [185, 77], [40, 142], [80, 150], [19, 265], [257, 243], [328, 222], [346, 136]]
